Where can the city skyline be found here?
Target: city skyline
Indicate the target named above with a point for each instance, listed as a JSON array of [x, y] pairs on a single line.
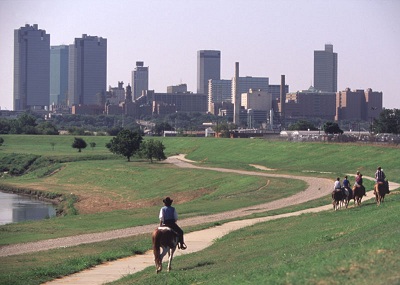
[[267, 38]]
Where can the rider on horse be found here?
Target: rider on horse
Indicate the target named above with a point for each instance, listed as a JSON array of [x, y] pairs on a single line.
[[359, 181], [337, 186], [346, 186], [168, 217], [379, 177]]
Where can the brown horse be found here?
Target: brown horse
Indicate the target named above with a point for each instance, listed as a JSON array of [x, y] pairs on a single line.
[[167, 239], [358, 194], [380, 190]]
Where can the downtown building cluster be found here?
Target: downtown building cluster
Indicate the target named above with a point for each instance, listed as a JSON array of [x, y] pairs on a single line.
[[72, 79]]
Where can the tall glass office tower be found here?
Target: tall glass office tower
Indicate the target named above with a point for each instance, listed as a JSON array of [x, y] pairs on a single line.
[[31, 68], [208, 67], [87, 78], [325, 69], [59, 56]]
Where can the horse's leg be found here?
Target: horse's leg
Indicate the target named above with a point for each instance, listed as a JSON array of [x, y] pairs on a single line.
[[163, 253], [171, 255]]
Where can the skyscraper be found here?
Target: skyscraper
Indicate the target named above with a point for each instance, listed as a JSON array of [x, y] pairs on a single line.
[[325, 69], [140, 79], [59, 56], [31, 68], [87, 77], [208, 67]]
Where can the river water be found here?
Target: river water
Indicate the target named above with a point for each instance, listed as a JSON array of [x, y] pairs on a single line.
[[15, 208]]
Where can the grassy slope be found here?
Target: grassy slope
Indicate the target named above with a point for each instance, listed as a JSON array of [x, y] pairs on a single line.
[[353, 246], [227, 153]]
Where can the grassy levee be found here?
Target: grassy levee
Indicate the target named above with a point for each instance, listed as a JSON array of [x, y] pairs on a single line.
[[116, 194], [353, 246], [292, 157]]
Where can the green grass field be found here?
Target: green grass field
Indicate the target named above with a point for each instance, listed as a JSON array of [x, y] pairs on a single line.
[[100, 178], [353, 246]]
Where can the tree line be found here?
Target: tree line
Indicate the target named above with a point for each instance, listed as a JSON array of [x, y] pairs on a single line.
[[128, 144]]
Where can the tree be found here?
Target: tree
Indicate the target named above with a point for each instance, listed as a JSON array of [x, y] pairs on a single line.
[[332, 128], [387, 122], [79, 143], [92, 145], [223, 129], [159, 128], [126, 143], [1, 141], [152, 149], [47, 128], [303, 125], [52, 145], [5, 126]]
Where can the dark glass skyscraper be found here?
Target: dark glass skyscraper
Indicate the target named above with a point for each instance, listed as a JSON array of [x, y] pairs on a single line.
[[208, 67], [325, 69], [87, 79], [31, 68]]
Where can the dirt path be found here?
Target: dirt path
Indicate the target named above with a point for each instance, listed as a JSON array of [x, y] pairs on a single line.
[[196, 241], [317, 187]]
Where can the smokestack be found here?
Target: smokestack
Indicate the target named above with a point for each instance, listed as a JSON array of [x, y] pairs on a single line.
[[236, 96], [282, 99]]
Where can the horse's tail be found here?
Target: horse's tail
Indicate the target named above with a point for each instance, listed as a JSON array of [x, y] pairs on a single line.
[[156, 237]]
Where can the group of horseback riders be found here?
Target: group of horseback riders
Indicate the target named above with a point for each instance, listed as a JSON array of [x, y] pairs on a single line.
[[168, 215], [348, 191]]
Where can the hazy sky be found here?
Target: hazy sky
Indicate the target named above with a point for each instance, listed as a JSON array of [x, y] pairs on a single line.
[[267, 37]]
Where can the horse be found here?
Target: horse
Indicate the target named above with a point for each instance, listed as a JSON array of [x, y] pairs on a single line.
[[167, 239], [380, 190], [348, 195], [358, 194], [338, 197]]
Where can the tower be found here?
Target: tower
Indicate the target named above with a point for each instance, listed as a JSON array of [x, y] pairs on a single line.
[[325, 69], [87, 78], [31, 68], [208, 67], [236, 98], [140, 79], [59, 56], [282, 100]]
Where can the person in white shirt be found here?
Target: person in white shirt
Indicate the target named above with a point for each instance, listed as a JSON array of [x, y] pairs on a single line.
[[168, 217]]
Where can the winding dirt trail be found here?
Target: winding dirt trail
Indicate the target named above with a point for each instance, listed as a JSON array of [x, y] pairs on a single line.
[[317, 187], [196, 241]]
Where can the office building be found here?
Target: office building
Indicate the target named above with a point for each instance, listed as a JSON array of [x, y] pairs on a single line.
[[219, 91], [257, 100], [31, 68], [358, 104], [310, 104], [87, 78], [140, 79], [275, 91], [115, 95], [325, 69], [181, 88], [208, 67], [59, 58], [183, 102]]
